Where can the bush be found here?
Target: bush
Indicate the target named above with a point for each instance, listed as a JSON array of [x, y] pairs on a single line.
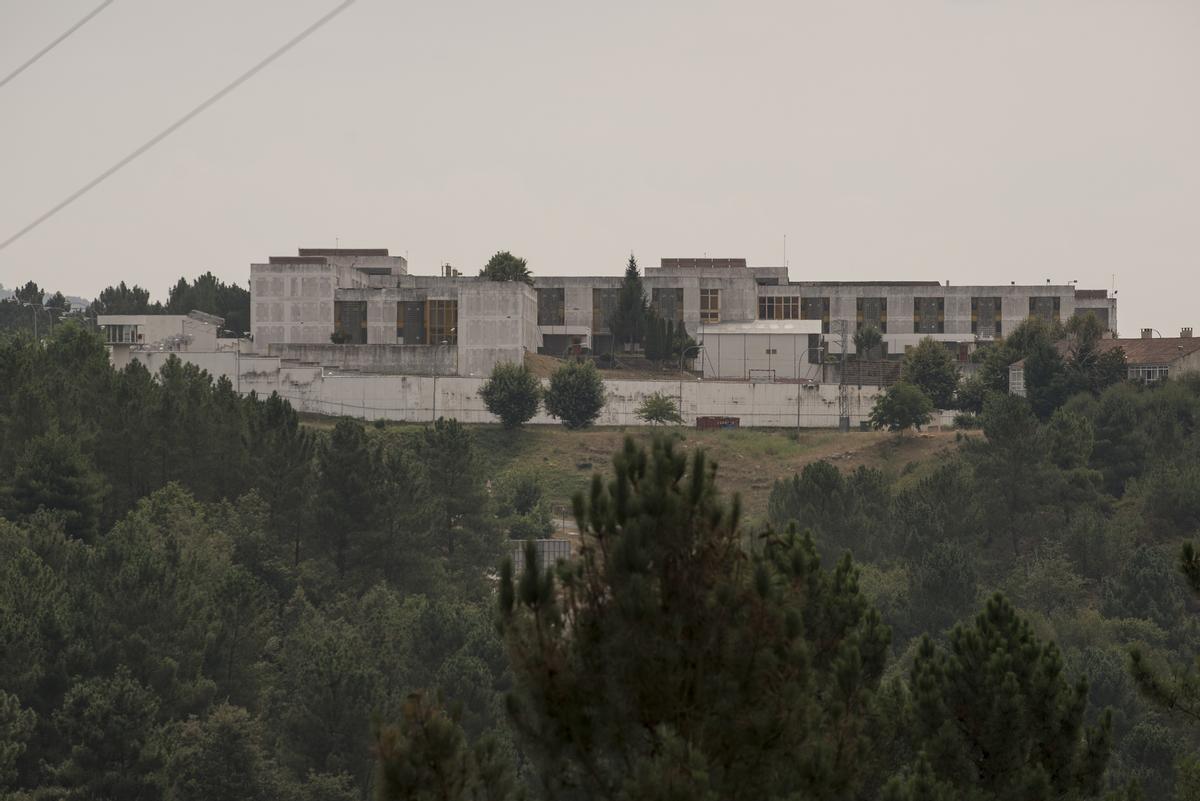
[[901, 407], [659, 408], [512, 393], [576, 394]]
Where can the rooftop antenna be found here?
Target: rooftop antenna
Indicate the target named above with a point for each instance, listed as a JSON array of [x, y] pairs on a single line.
[[337, 243], [785, 264]]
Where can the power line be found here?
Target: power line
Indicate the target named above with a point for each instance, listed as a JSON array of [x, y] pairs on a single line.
[[245, 76], [55, 43]]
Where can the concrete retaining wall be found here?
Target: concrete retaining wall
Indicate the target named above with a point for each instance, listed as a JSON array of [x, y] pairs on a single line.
[[419, 359], [413, 398]]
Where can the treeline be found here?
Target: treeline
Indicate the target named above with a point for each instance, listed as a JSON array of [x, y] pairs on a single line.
[[1079, 519], [1057, 362], [200, 598], [206, 293]]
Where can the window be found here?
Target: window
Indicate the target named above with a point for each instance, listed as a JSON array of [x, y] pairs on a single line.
[[816, 349], [1149, 373], [441, 322], [1044, 307], [872, 313], [668, 303], [410, 322], [816, 309], [929, 315], [710, 305], [1016, 380], [604, 305], [985, 317], [779, 307], [350, 321], [552, 306], [121, 334]]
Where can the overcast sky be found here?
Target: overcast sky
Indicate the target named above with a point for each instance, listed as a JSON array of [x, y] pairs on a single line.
[[975, 141]]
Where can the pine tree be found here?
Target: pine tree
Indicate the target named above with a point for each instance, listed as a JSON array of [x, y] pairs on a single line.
[[671, 658], [997, 719], [628, 323], [344, 492], [426, 757]]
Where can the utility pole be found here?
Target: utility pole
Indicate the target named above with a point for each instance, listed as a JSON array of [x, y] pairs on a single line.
[[682, 354], [843, 393]]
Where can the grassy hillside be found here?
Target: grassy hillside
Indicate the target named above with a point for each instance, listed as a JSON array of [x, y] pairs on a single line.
[[748, 460]]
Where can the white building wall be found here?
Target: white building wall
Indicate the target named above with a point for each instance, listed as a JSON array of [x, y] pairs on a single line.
[[292, 303], [425, 398], [497, 322]]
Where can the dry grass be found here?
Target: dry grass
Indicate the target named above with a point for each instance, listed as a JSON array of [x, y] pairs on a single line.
[[748, 460]]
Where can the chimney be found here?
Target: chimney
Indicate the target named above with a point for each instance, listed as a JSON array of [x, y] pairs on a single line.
[[1147, 333], [1185, 333]]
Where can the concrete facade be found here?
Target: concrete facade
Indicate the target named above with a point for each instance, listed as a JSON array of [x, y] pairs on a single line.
[[124, 334], [366, 297]]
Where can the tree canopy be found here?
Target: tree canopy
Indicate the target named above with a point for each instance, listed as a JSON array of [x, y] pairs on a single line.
[[504, 266]]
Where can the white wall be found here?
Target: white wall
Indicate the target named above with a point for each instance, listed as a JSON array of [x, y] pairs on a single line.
[[425, 398]]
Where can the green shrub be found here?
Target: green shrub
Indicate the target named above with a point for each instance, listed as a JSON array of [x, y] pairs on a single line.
[[512, 393], [576, 394]]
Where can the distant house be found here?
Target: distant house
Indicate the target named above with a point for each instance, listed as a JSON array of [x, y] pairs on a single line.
[[1149, 358]]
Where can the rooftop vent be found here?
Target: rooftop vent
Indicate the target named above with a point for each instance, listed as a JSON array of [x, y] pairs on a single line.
[[1185, 333]]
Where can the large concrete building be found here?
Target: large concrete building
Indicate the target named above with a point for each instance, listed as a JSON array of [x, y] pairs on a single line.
[[360, 310]]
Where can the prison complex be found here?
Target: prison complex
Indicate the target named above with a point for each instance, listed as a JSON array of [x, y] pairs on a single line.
[[359, 309]]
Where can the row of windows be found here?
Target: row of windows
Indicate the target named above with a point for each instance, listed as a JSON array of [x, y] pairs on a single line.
[[1149, 373], [929, 313], [121, 334], [779, 307], [417, 322]]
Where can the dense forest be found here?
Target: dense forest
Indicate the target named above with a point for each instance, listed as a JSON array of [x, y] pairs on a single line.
[[203, 598]]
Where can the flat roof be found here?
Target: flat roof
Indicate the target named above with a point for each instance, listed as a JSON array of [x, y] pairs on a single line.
[[779, 327], [343, 251]]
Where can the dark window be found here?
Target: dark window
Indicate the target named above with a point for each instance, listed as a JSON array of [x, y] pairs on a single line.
[[816, 309], [985, 317], [350, 321], [552, 306], [816, 349], [1044, 307], [442, 322], [410, 323], [604, 305], [668, 303], [929, 315], [872, 312]]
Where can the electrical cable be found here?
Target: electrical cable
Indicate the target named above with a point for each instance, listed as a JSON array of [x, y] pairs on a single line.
[[170, 129], [55, 43]]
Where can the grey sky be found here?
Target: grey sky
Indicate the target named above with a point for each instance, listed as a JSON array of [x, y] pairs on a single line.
[[970, 141]]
